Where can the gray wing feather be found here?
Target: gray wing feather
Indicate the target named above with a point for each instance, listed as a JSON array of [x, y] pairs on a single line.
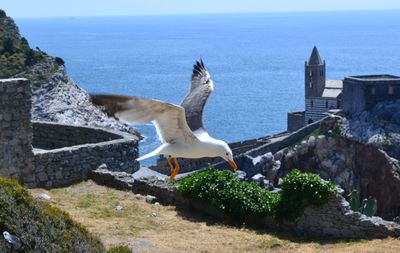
[[168, 119], [195, 101]]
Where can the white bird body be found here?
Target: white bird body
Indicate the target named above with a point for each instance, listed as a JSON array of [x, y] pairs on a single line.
[[180, 128]]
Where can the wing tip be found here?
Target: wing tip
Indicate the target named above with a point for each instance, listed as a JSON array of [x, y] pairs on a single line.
[[199, 68]]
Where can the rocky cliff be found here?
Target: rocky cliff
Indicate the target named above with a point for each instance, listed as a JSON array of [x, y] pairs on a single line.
[[56, 97], [379, 127]]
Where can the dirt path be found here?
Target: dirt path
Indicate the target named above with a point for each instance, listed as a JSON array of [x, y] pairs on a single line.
[[155, 228]]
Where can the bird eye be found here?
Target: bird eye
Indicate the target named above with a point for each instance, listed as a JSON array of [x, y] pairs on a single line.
[[227, 154]]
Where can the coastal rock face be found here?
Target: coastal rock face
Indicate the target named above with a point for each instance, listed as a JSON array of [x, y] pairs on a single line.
[[59, 99], [379, 127], [353, 166], [56, 97]]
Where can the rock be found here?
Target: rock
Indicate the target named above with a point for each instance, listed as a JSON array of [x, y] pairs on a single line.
[[154, 214], [43, 197], [241, 175], [102, 167], [259, 179], [151, 199], [12, 239], [119, 208]]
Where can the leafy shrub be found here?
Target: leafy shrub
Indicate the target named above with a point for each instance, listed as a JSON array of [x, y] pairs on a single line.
[[238, 199], [40, 227], [59, 61], [120, 249], [300, 190], [225, 192]]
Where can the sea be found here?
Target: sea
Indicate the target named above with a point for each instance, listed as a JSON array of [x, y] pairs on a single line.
[[256, 60]]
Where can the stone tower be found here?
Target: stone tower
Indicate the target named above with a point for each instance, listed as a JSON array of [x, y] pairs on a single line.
[[16, 157], [314, 75]]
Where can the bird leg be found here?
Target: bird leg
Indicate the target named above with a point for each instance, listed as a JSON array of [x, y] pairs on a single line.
[[174, 170]]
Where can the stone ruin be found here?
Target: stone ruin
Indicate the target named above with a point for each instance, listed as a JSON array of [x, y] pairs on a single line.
[[61, 154]]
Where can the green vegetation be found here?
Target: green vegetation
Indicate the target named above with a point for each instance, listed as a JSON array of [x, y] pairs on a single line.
[[368, 206], [300, 190], [238, 199], [120, 249], [15, 54], [40, 227]]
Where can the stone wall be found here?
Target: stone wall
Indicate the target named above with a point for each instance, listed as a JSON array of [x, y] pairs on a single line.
[[65, 166], [15, 128], [62, 154], [47, 135], [295, 121], [333, 220]]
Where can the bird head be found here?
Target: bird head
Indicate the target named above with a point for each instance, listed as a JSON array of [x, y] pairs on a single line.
[[226, 153]]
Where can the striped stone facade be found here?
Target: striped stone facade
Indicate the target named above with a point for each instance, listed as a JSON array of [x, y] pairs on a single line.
[[316, 108]]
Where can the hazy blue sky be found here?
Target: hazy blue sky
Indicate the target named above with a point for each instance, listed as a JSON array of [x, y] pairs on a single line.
[[46, 8]]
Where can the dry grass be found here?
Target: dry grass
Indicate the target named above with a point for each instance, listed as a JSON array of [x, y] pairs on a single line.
[[155, 228]]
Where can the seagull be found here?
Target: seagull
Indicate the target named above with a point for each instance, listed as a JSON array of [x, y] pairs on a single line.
[[179, 127], [12, 239]]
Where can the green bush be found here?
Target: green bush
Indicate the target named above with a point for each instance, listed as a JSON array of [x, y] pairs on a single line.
[[300, 190], [120, 249], [40, 227], [221, 189]]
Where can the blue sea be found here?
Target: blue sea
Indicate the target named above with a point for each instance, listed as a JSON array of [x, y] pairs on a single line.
[[255, 60]]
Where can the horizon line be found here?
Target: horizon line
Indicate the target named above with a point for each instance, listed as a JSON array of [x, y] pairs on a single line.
[[206, 13]]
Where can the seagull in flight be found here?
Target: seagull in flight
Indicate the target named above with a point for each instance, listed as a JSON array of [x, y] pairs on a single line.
[[179, 127]]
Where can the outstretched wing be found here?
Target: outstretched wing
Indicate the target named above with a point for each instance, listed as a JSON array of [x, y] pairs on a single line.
[[195, 101], [168, 119]]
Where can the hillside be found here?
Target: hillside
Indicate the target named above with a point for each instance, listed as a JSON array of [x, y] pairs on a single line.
[[56, 97], [39, 226]]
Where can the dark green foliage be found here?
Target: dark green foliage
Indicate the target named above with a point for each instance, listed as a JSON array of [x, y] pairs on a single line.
[[59, 61], [8, 46], [120, 249], [239, 199], [40, 227], [226, 193], [368, 206], [300, 190]]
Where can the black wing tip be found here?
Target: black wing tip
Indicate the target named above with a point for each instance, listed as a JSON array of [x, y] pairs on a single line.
[[199, 68]]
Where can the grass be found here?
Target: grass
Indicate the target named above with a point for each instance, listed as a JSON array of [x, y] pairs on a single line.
[[174, 231]]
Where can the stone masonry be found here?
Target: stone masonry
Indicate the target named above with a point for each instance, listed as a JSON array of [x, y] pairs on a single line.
[[61, 154], [15, 128]]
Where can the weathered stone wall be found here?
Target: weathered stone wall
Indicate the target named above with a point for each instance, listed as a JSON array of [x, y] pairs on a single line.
[[62, 154], [333, 220], [15, 128], [68, 165], [47, 135], [295, 121]]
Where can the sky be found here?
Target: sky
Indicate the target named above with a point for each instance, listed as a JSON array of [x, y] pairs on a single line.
[[75, 8]]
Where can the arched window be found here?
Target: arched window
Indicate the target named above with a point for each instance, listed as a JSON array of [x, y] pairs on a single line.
[[312, 103], [326, 104]]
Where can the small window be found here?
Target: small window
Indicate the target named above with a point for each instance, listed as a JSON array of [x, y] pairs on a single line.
[[391, 90], [310, 121], [326, 104], [373, 91], [310, 73], [312, 103], [321, 73], [310, 85]]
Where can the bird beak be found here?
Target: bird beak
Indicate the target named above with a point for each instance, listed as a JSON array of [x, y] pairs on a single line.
[[233, 165]]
